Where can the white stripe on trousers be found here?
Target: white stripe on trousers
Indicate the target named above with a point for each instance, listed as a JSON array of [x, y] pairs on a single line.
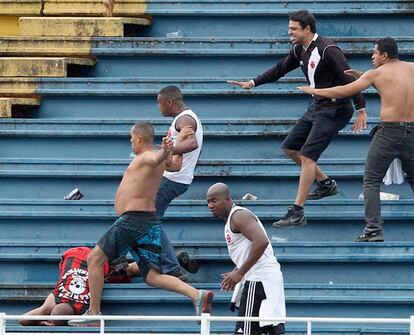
[[249, 307]]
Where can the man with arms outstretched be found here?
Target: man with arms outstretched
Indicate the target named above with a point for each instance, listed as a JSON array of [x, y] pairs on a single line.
[[323, 64], [394, 137]]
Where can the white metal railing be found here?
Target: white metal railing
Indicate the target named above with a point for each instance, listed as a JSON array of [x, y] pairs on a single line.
[[205, 320]]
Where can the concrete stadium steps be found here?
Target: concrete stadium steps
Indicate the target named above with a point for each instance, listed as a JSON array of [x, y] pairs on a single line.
[[229, 104], [96, 184], [20, 7], [203, 64], [294, 292], [324, 263], [124, 7], [204, 251], [122, 125], [96, 145], [12, 10], [40, 66], [69, 7], [301, 299], [208, 250], [205, 168], [149, 86], [86, 220], [99, 176], [133, 8], [267, 22], [221, 57], [143, 107], [11, 106], [132, 97], [47, 46], [80, 26], [83, 144], [221, 46], [77, 145], [275, 6]]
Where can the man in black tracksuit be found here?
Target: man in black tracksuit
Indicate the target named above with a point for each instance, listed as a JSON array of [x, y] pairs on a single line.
[[323, 64]]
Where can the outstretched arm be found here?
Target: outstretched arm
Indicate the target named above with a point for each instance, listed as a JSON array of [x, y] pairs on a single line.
[[339, 92], [247, 85], [287, 64]]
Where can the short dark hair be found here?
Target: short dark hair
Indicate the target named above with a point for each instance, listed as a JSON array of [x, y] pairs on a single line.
[[145, 130], [304, 18], [171, 92], [388, 45]]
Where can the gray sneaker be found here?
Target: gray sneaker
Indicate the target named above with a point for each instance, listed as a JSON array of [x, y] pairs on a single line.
[[85, 322], [204, 302], [293, 218], [322, 191]]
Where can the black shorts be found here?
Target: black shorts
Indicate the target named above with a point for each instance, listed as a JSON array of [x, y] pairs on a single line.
[[250, 301], [138, 233], [314, 131]]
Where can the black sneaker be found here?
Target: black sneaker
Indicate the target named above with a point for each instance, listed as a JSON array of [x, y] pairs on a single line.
[[376, 236], [187, 263], [323, 190], [293, 218]]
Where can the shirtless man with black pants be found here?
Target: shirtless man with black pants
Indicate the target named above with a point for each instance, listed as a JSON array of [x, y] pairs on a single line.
[[394, 137]]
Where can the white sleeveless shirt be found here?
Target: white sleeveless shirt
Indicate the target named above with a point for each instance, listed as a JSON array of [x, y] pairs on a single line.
[[186, 174], [239, 248]]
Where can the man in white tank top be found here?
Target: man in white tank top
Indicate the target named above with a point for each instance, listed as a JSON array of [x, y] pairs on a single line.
[[173, 184], [256, 265]]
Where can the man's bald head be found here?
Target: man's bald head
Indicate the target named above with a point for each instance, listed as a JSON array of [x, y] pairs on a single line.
[[219, 200], [219, 189]]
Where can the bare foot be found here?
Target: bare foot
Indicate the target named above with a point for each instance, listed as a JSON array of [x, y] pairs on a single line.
[[46, 323], [109, 7]]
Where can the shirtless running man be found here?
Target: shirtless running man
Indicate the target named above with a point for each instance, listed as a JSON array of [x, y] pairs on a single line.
[[394, 136], [138, 230]]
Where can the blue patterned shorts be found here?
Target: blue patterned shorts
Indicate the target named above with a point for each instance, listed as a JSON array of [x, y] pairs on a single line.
[[138, 233]]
